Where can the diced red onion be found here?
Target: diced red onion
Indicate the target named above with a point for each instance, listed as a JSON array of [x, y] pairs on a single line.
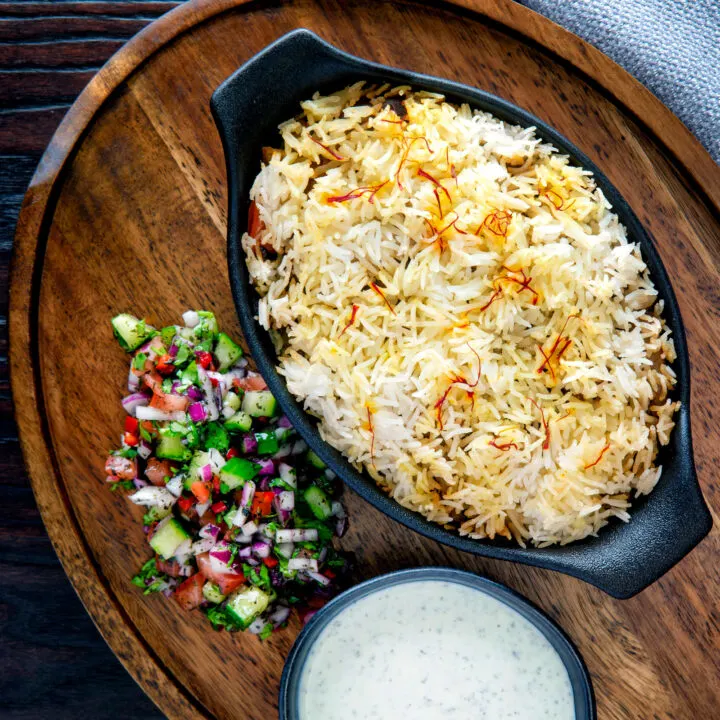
[[287, 475], [209, 531], [240, 517], [249, 444], [217, 461], [337, 509], [206, 473], [242, 539], [245, 552], [249, 528], [322, 555], [221, 553], [286, 549], [256, 626], [283, 452], [329, 474], [173, 350], [202, 545], [150, 413], [133, 382], [267, 466], [284, 422], [175, 485], [186, 570], [197, 412], [299, 447], [296, 535], [279, 615], [304, 564], [286, 500], [317, 577], [209, 393], [167, 592], [252, 561], [194, 394], [144, 450], [261, 549], [139, 483], [132, 402], [152, 496], [309, 616], [190, 318], [203, 508], [341, 527], [248, 493]]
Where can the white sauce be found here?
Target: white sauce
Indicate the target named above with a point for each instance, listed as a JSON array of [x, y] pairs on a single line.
[[433, 649]]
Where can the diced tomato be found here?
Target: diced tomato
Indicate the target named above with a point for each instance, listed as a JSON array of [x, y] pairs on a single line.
[[216, 484], [201, 491], [169, 403], [165, 365], [214, 382], [131, 425], [120, 467], [271, 562], [251, 382], [153, 381], [185, 503], [330, 574], [219, 507], [262, 503], [204, 359], [169, 567], [130, 439], [189, 593], [227, 582], [231, 453], [157, 470]]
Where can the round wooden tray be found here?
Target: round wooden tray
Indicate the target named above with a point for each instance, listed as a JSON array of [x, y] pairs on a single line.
[[127, 212]]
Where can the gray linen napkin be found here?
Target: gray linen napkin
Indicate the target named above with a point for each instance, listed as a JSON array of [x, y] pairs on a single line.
[[672, 46]]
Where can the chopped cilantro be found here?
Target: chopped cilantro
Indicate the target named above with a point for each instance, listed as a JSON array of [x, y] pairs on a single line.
[[139, 360], [266, 632], [122, 485]]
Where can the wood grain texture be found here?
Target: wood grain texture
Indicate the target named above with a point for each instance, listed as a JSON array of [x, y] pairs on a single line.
[[132, 218]]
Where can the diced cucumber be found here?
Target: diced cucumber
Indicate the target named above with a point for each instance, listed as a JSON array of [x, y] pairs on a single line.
[[239, 422], [237, 471], [199, 460], [315, 461], [167, 334], [245, 605], [211, 592], [318, 502], [259, 403], [156, 513], [232, 400], [267, 443], [172, 448], [216, 437], [167, 538], [207, 327], [189, 375], [130, 331], [226, 352]]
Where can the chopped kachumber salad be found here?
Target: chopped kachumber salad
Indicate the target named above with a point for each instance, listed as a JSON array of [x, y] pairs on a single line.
[[240, 515]]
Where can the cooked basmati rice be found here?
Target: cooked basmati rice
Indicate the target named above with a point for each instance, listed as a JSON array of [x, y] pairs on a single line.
[[463, 312]]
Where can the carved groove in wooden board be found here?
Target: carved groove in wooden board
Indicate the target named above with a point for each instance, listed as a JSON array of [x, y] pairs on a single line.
[[134, 219]]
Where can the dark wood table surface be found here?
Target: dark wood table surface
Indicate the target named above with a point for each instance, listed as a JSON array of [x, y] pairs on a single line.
[[53, 662]]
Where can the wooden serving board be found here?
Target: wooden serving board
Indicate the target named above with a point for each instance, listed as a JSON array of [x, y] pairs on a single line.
[[127, 212]]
